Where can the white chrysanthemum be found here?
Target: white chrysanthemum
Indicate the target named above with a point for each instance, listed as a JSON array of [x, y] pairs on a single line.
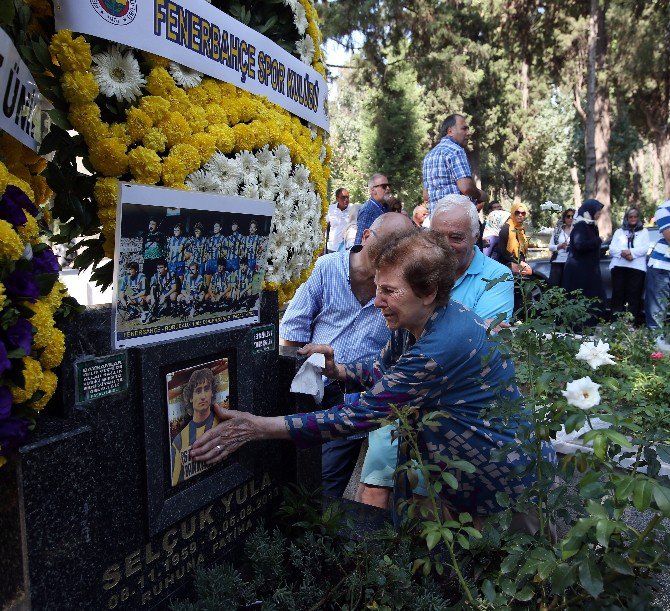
[[301, 176], [267, 184], [203, 180], [230, 186], [595, 354], [224, 168], [582, 393], [250, 190], [118, 74], [305, 48], [184, 77], [266, 158], [300, 18], [248, 163], [291, 4], [282, 155], [285, 189]]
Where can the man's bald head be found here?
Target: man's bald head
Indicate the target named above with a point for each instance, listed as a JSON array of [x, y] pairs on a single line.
[[383, 226]]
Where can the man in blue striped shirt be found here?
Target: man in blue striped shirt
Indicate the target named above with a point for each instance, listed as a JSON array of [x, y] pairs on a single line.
[[335, 306], [657, 293], [380, 191], [446, 169]]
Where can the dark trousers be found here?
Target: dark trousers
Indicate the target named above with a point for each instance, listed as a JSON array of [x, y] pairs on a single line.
[[556, 274], [627, 286], [339, 456]]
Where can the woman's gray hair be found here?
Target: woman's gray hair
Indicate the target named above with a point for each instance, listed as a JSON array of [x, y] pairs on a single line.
[[374, 177], [455, 201]]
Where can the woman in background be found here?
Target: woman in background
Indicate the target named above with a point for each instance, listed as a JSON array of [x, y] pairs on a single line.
[[494, 223], [582, 267], [558, 245], [629, 263]]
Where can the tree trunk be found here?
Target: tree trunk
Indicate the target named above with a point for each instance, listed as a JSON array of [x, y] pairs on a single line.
[[590, 127], [524, 83], [576, 187], [663, 150]]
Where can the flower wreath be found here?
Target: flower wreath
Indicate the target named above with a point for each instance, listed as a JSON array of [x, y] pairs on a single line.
[[30, 298], [147, 119]]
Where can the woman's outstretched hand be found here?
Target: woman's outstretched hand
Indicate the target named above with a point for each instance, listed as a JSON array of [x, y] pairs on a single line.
[[234, 430], [331, 369]]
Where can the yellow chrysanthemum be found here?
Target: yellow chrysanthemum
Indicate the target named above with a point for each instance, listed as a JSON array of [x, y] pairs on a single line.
[[30, 231], [216, 114], [160, 83], [139, 123], [48, 387], [154, 107], [196, 119], [156, 60], [188, 155], [120, 131], [79, 87], [174, 172], [175, 128], [225, 137], [106, 192], [87, 122], [3, 297], [206, 145], [145, 165], [32, 374], [73, 54], [11, 246], [55, 296], [52, 355], [41, 191], [108, 157], [155, 140]]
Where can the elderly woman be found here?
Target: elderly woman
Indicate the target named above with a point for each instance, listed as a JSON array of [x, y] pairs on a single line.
[[490, 236], [558, 245], [435, 367]]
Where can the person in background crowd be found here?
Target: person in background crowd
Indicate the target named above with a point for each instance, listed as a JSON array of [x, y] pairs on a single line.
[[455, 218], [394, 204], [494, 223], [512, 247], [582, 267], [337, 220], [446, 169], [349, 233], [419, 215], [628, 249], [380, 191], [336, 306], [657, 294], [558, 245]]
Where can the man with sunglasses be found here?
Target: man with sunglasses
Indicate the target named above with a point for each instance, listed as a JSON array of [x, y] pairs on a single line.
[[380, 191], [446, 169]]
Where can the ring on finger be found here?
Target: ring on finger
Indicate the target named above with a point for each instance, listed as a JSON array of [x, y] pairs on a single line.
[[219, 449]]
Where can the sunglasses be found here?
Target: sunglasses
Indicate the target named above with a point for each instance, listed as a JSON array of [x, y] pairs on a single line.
[[520, 212], [569, 216]]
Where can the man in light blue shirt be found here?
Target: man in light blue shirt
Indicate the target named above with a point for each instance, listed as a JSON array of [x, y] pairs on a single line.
[[335, 306], [456, 218]]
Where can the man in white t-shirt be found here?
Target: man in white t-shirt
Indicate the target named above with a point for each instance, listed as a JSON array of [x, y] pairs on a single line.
[[338, 217]]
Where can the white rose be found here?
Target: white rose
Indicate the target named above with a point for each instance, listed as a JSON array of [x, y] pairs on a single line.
[[595, 354], [582, 393]]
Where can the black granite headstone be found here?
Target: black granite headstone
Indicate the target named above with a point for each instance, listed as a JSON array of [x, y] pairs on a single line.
[[89, 518]]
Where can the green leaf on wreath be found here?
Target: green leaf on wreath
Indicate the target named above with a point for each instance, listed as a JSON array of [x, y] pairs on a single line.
[[46, 282], [7, 12]]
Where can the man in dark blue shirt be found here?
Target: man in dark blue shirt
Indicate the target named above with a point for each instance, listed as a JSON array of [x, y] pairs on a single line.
[[380, 191]]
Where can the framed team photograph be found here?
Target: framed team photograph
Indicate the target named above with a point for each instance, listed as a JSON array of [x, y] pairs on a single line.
[[192, 394], [186, 263]]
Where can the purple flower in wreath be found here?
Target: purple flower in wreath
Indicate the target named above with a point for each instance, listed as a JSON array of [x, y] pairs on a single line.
[[5, 363], [12, 433], [22, 285], [17, 197], [20, 335], [5, 402], [45, 262]]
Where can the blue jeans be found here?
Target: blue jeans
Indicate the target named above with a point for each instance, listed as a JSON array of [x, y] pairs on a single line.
[[657, 294]]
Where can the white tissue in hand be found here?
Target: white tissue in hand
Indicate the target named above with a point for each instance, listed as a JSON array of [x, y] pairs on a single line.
[[308, 380]]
